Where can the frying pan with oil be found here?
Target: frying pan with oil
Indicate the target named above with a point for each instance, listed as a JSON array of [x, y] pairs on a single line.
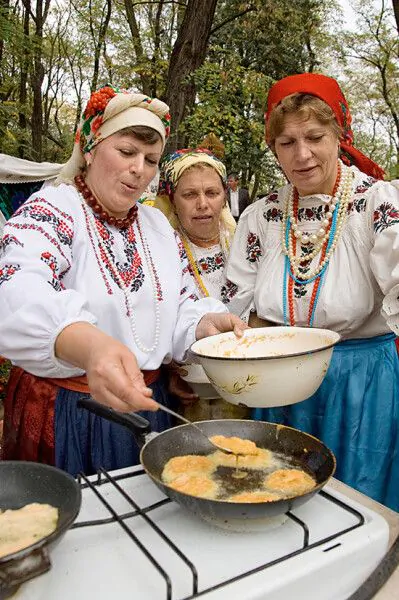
[[296, 448]]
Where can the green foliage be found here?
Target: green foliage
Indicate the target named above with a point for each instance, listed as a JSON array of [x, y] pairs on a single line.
[[270, 41], [253, 43], [369, 59]]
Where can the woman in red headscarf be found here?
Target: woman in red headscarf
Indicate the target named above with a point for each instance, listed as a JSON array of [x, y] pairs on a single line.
[[323, 251]]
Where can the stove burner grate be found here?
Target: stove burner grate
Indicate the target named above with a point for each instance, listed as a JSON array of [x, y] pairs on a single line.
[[103, 477]]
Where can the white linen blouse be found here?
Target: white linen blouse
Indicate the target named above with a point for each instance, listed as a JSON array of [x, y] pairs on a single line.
[[360, 291], [53, 273], [210, 263]]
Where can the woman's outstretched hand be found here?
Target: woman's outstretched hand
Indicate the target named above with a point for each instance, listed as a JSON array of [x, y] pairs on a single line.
[[177, 386], [214, 323], [112, 371]]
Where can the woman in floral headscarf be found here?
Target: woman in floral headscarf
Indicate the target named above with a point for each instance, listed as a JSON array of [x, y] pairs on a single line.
[[192, 195], [323, 251], [95, 294]]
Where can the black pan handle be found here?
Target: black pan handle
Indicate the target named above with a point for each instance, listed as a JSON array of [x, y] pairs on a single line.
[[139, 426]]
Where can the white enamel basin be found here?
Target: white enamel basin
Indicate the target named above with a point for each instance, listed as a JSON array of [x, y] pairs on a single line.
[[269, 366]]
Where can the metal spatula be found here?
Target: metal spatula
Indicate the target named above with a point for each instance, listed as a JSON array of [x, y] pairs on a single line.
[[218, 446]]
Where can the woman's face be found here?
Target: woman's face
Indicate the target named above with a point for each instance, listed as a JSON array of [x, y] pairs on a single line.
[[199, 198], [307, 151], [119, 170]]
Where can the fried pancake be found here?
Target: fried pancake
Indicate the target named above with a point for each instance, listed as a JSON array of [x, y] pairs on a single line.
[[190, 464], [258, 461], [195, 485], [290, 481], [26, 526], [235, 444], [254, 497], [221, 459]]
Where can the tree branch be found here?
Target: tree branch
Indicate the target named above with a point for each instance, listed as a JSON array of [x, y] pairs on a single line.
[[233, 18]]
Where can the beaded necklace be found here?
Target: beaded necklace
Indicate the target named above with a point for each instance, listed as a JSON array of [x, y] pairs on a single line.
[[156, 286], [325, 242], [100, 211], [193, 263]]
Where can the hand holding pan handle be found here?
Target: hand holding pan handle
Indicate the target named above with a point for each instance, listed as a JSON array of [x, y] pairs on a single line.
[[139, 426]]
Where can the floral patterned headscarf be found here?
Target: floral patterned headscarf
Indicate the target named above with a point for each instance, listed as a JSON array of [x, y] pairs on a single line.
[[174, 165], [328, 90], [109, 110], [172, 168]]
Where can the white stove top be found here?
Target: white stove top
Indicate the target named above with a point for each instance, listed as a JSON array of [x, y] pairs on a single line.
[[101, 561]]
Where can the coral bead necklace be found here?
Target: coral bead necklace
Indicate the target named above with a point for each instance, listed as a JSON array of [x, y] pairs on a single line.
[[100, 211]]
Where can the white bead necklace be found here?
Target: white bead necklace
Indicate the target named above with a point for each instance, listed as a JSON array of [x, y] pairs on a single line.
[[90, 220], [343, 196]]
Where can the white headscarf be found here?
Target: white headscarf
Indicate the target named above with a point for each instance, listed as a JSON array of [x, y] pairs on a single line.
[[109, 110]]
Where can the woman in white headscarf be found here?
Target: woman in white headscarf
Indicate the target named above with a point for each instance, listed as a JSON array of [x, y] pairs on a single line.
[[192, 195], [87, 301]]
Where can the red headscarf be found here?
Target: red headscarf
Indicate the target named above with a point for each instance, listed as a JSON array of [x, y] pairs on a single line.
[[328, 90]]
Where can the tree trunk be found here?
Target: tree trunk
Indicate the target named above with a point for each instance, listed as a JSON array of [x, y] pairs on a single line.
[[395, 4], [157, 45], [138, 48], [37, 74], [36, 82], [100, 41], [188, 54], [23, 82], [4, 7]]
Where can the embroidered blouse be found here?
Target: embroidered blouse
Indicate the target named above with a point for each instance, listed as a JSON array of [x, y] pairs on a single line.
[[53, 273], [210, 263], [359, 296]]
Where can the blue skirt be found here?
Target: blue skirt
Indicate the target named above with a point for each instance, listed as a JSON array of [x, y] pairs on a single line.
[[85, 442], [355, 412]]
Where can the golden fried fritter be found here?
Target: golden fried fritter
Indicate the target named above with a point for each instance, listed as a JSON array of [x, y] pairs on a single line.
[[189, 464], [221, 459], [254, 497], [235, 444], [195, 485], [290, 481], [258, 461], [25, 526]]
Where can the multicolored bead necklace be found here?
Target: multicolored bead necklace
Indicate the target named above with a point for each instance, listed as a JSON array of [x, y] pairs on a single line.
[[323, 242]]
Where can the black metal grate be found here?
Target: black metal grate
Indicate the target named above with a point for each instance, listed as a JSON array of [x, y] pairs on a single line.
[[103, 477]]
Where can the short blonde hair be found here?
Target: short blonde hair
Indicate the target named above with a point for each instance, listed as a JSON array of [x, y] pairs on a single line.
[[303, 105]]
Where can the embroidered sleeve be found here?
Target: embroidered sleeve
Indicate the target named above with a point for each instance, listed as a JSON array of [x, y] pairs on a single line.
[[191, 308], [35, 257], [246, 252], [383, 207]]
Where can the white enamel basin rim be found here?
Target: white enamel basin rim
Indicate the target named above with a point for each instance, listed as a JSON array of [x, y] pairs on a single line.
[[286, 331]]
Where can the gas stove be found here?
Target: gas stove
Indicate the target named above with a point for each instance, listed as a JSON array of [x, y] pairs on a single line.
[[131, 541]]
